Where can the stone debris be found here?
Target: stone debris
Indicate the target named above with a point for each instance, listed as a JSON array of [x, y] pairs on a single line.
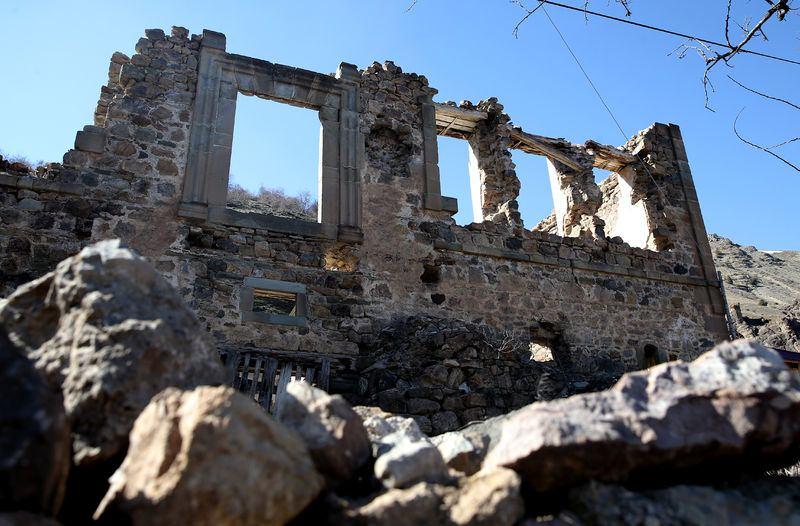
[[332, 431], [210, 457], [738, 401], [34, 437]]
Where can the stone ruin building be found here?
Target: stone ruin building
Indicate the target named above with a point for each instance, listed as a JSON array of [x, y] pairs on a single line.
[[383, 298]]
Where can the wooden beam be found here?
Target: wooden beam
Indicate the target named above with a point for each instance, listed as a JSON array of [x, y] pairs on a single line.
[[537, 144], [609, 157]]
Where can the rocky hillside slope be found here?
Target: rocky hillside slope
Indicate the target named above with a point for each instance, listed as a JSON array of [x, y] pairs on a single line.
[[763, 290]]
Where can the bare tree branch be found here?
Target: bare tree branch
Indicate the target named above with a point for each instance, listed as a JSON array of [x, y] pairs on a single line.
[[757, 146], [751, 90]]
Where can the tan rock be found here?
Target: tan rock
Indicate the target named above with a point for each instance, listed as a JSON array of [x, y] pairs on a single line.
[[211, 457], [488, 498], [333, 432], [419, 505]]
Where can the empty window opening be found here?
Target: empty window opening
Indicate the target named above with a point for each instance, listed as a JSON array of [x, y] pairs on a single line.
[[454, 177], [274, 159], [275, 302], [535, 195]]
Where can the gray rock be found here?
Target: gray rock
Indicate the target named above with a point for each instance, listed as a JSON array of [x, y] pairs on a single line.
[[756, 503], [332, 431], [34, 436], [109, 333], [409, 462], [458, 452], [404, 454], [210, 457], [735, 407]]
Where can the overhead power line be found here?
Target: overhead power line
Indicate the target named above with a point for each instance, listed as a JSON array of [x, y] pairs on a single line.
[[667, 31], [602, 100]]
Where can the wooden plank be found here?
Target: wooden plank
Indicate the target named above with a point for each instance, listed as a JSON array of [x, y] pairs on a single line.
[[310, 375], [232, 363], [241, 379], [324, 374], [269, 383], [286, 375], [256, 372]]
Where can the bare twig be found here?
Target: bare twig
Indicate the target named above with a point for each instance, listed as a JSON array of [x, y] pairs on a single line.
[[410, 7], [784, 143], [528, 13], [751, 90], [757, 146]]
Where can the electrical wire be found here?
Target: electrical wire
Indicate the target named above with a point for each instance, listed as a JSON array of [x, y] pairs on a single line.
[[667, 31], [603, 101]]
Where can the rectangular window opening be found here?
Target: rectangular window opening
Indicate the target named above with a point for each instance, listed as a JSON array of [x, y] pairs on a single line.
[[275, 302], [274, 159], [535, 194], [454, 177]]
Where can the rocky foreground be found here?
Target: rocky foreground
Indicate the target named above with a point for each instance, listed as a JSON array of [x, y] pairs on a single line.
[[112, 413]]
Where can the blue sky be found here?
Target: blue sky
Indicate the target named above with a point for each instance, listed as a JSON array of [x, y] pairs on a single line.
[[59, 58]]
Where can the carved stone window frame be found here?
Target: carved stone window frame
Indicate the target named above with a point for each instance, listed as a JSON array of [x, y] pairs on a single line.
[[221, 78], [247, 298]]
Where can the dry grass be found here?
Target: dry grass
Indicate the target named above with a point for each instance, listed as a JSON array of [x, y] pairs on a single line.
[[276, 200], [23, 163]]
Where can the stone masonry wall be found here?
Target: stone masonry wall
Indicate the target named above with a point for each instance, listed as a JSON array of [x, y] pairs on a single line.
[[409, 311]]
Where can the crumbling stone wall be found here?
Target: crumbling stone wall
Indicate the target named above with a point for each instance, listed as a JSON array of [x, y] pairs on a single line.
[[397, 258], [499, 184]]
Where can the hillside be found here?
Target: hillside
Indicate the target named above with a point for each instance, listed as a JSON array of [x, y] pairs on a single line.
[[763, 290]]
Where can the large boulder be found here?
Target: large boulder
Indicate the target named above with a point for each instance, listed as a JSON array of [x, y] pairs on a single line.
[[332, 431], [108, 332], [34, 436], [210, 457], [735, 407]]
